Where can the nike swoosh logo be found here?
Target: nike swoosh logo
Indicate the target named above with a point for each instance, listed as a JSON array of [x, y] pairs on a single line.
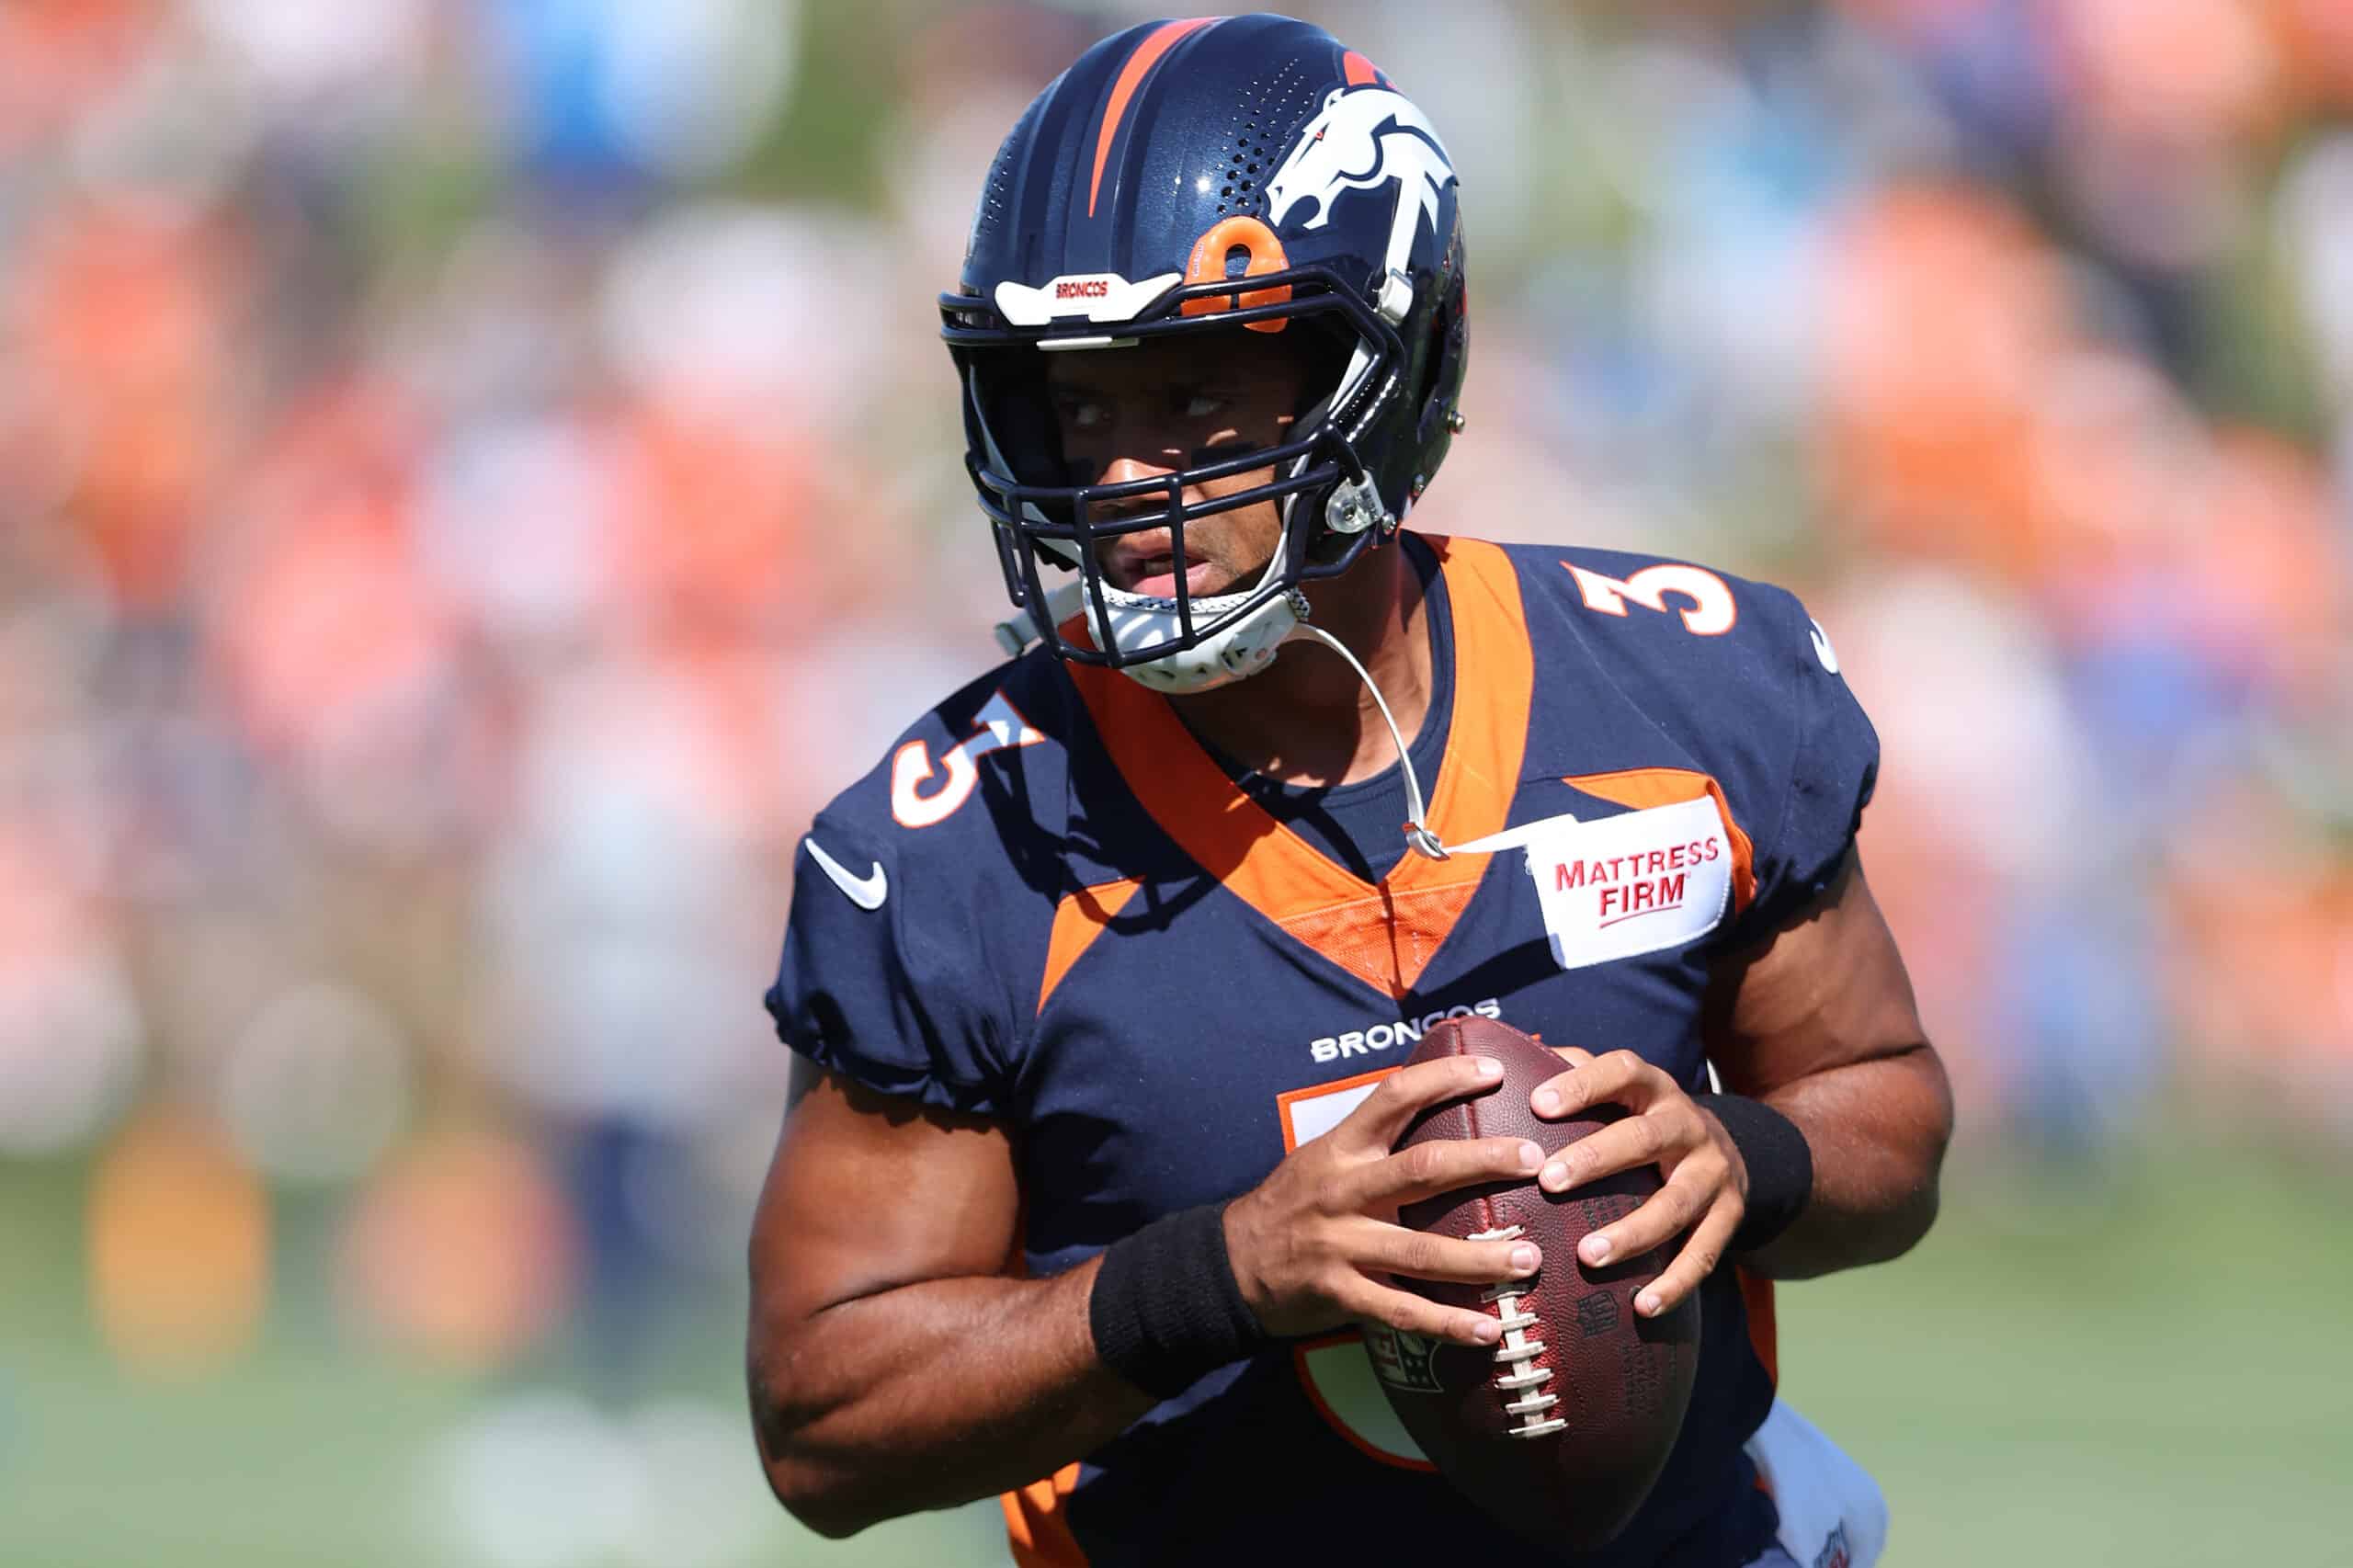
[[1822, 649], [866, 891]]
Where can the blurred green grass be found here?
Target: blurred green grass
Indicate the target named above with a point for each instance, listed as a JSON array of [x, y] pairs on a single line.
[[2157, 1373]]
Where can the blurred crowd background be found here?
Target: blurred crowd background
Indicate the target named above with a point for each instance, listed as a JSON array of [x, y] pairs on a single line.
[[477, 475]]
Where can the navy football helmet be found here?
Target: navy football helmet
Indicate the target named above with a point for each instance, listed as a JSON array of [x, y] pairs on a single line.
[[1214, 174]]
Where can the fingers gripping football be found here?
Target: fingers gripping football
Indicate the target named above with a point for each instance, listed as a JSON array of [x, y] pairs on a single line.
[[1310, 1244], [1706, 1186]]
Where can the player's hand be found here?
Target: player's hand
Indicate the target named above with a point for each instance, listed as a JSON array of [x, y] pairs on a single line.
[[1706, 1186], [1310, 1244]]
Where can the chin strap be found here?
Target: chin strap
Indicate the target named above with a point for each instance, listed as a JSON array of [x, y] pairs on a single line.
[[1419, 836]]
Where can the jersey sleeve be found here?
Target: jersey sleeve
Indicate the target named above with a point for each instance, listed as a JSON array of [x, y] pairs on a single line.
[[1834, 766], [898, 996]]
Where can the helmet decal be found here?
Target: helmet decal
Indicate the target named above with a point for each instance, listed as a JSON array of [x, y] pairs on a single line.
[[1366, 137], [1208, 262], [1158, 42], [1097, 296]]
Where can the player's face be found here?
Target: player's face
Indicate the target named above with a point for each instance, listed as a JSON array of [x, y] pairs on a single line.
[[1171, 402]]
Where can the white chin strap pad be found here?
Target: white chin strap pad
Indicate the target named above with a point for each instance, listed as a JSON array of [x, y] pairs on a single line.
[[1233, 652]]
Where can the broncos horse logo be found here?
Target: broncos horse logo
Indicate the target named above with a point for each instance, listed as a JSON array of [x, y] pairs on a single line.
[[1365, 137]]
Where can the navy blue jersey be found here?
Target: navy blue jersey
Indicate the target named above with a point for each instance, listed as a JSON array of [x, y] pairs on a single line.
[[1086, 930]]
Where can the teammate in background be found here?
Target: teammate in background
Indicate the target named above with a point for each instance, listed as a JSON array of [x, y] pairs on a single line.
[[1085, 1187]]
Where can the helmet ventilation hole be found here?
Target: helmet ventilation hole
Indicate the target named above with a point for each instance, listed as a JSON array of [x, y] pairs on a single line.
[[1277, 96]]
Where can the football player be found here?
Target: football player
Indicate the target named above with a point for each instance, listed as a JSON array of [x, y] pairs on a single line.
[[1100, 981]]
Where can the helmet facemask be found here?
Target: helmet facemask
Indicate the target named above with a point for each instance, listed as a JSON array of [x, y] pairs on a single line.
[[1042, 510]]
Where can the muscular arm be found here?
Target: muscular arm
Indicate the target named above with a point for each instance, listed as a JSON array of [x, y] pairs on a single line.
[[1819, 1022], [893, 1365]]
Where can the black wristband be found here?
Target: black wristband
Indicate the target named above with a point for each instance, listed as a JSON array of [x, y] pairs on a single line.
[[1165, 1309], [1781, 1166]]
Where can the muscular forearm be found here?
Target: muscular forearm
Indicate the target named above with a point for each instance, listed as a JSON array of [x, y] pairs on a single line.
[[1877, 1131], [932, 1394]]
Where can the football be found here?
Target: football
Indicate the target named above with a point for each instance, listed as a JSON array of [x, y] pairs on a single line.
[[1561, 1430]]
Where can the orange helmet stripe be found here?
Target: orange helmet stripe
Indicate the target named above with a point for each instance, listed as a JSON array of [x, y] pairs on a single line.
[[1360, 69], [1158, 42]]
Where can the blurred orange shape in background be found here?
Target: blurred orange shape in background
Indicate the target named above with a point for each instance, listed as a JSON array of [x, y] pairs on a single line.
[[2117, 458], [2267, 562], [2201, 69], [179, 1239], [709, 537], [2262, 918], [124, 320], [1944, 311], [57, 56], [333, 618], [463, 1249], [2317, 46]]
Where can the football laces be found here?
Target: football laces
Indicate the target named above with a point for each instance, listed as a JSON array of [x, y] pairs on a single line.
[[1519, 1353]]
